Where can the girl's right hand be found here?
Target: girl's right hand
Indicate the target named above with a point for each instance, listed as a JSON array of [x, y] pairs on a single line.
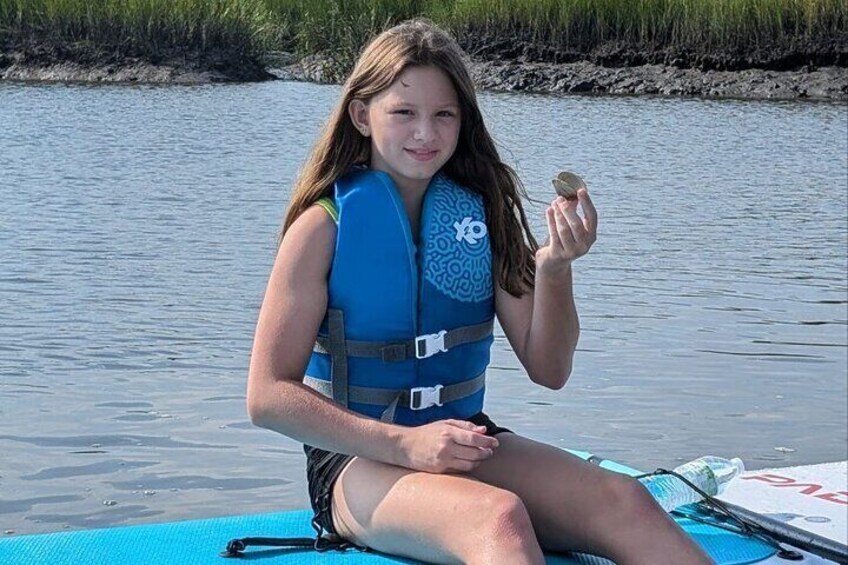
[[446, 446]]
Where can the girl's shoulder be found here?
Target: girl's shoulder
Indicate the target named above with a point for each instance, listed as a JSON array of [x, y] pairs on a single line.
[[308, 246], [313, 230]]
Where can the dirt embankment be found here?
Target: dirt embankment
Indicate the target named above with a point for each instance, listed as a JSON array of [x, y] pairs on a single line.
[[84, 62], [831, 51], [826, 83], [812, 69]]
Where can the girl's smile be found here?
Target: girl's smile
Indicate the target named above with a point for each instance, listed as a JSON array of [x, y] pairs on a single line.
[[422, 155]]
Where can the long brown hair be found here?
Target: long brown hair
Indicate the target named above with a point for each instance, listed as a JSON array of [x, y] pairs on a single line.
[[474, 164]]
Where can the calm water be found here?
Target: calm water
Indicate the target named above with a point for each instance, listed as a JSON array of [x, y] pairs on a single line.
[[137, 229]]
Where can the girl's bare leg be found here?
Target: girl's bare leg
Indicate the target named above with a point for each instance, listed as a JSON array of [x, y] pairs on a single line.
[[438, 518], [575, 505]]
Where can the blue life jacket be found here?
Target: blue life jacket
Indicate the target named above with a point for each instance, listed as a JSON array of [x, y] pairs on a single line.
[[409, 328]]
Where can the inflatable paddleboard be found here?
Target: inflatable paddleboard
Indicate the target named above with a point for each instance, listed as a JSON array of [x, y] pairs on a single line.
[[812, 497], [200, 542]]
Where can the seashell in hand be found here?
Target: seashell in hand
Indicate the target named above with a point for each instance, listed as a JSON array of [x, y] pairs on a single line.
[[567, 184]]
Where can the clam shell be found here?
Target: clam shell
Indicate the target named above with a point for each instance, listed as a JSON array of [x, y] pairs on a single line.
[[567, 184]]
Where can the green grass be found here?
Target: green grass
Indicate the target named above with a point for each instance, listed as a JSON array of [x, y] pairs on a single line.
[[335, 27], [569, 23], [342, 27], [143, 25], [324, 24]]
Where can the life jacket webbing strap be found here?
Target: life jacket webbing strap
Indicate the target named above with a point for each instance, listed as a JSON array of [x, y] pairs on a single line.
[[392, 351], [404, 398], [338, 371], [388, 414]]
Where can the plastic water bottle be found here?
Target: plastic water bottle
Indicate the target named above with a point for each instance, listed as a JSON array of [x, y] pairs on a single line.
[[710, 474]]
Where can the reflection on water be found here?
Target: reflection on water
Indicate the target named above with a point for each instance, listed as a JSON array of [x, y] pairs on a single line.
[[137, 231]]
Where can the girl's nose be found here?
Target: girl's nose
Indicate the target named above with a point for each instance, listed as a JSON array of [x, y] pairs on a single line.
[[423, 131]]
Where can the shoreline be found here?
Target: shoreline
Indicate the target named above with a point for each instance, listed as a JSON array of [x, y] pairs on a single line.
[[82, 63], [583, 77], [489, 74]]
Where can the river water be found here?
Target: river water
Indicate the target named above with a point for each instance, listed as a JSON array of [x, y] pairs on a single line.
[[137, 231]]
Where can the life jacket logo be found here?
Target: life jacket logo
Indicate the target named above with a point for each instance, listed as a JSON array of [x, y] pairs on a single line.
[[470, 230]]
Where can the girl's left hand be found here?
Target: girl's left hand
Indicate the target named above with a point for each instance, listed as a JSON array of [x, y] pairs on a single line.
[[569, 235]]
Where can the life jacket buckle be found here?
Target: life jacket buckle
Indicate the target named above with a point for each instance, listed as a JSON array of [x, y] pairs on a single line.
[[425, 396], [430, 344]]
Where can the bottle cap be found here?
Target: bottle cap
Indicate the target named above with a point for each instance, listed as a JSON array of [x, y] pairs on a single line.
[[736, 462]]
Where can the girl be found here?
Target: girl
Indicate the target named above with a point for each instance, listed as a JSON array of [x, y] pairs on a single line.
[[405, 237]]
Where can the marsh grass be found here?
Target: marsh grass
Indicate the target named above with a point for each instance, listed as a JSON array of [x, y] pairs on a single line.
[[572, 24], [580, 23], [340, 28], [336, 29], [145, 26]]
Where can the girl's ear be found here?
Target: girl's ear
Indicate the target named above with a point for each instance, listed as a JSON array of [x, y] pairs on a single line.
[[359, 116]]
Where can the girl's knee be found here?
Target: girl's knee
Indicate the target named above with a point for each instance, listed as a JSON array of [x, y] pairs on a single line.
[[503, 531], [628, 501], [639, 530], [504, 519], [627, 494]]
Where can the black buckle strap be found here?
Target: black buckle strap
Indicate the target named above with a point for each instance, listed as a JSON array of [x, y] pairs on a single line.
[[416, 398], [734, 522], [236, 547], [421, 347], [335, 323], [320, 543]]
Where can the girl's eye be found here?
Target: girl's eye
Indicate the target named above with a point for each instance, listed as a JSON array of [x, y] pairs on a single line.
[[446, 114], [402, 112]]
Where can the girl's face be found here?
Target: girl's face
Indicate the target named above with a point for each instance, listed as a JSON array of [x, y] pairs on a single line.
[[413, 126]]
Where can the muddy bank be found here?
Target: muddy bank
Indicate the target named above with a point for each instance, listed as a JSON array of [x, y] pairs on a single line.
[[790, 54], [513, 61], [803, 67], [514, 67], [828, 83], [89, 63]]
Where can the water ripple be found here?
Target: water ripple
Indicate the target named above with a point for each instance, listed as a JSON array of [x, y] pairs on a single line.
[[191, 482], [27, 504], [111, 441], [99, 468]]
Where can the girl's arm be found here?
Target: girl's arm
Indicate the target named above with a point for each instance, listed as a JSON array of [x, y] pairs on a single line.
[[542, 326], [294, 305]]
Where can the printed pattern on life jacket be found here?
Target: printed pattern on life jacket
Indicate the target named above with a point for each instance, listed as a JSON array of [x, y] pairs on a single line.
[[457, 255]]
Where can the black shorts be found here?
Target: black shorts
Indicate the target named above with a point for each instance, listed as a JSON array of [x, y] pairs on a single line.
[[324, 467]]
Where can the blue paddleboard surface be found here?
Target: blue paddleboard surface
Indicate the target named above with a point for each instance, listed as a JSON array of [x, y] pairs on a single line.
[[199, 542]]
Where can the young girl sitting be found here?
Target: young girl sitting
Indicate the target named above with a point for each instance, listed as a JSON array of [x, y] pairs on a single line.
[[405, 237]]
